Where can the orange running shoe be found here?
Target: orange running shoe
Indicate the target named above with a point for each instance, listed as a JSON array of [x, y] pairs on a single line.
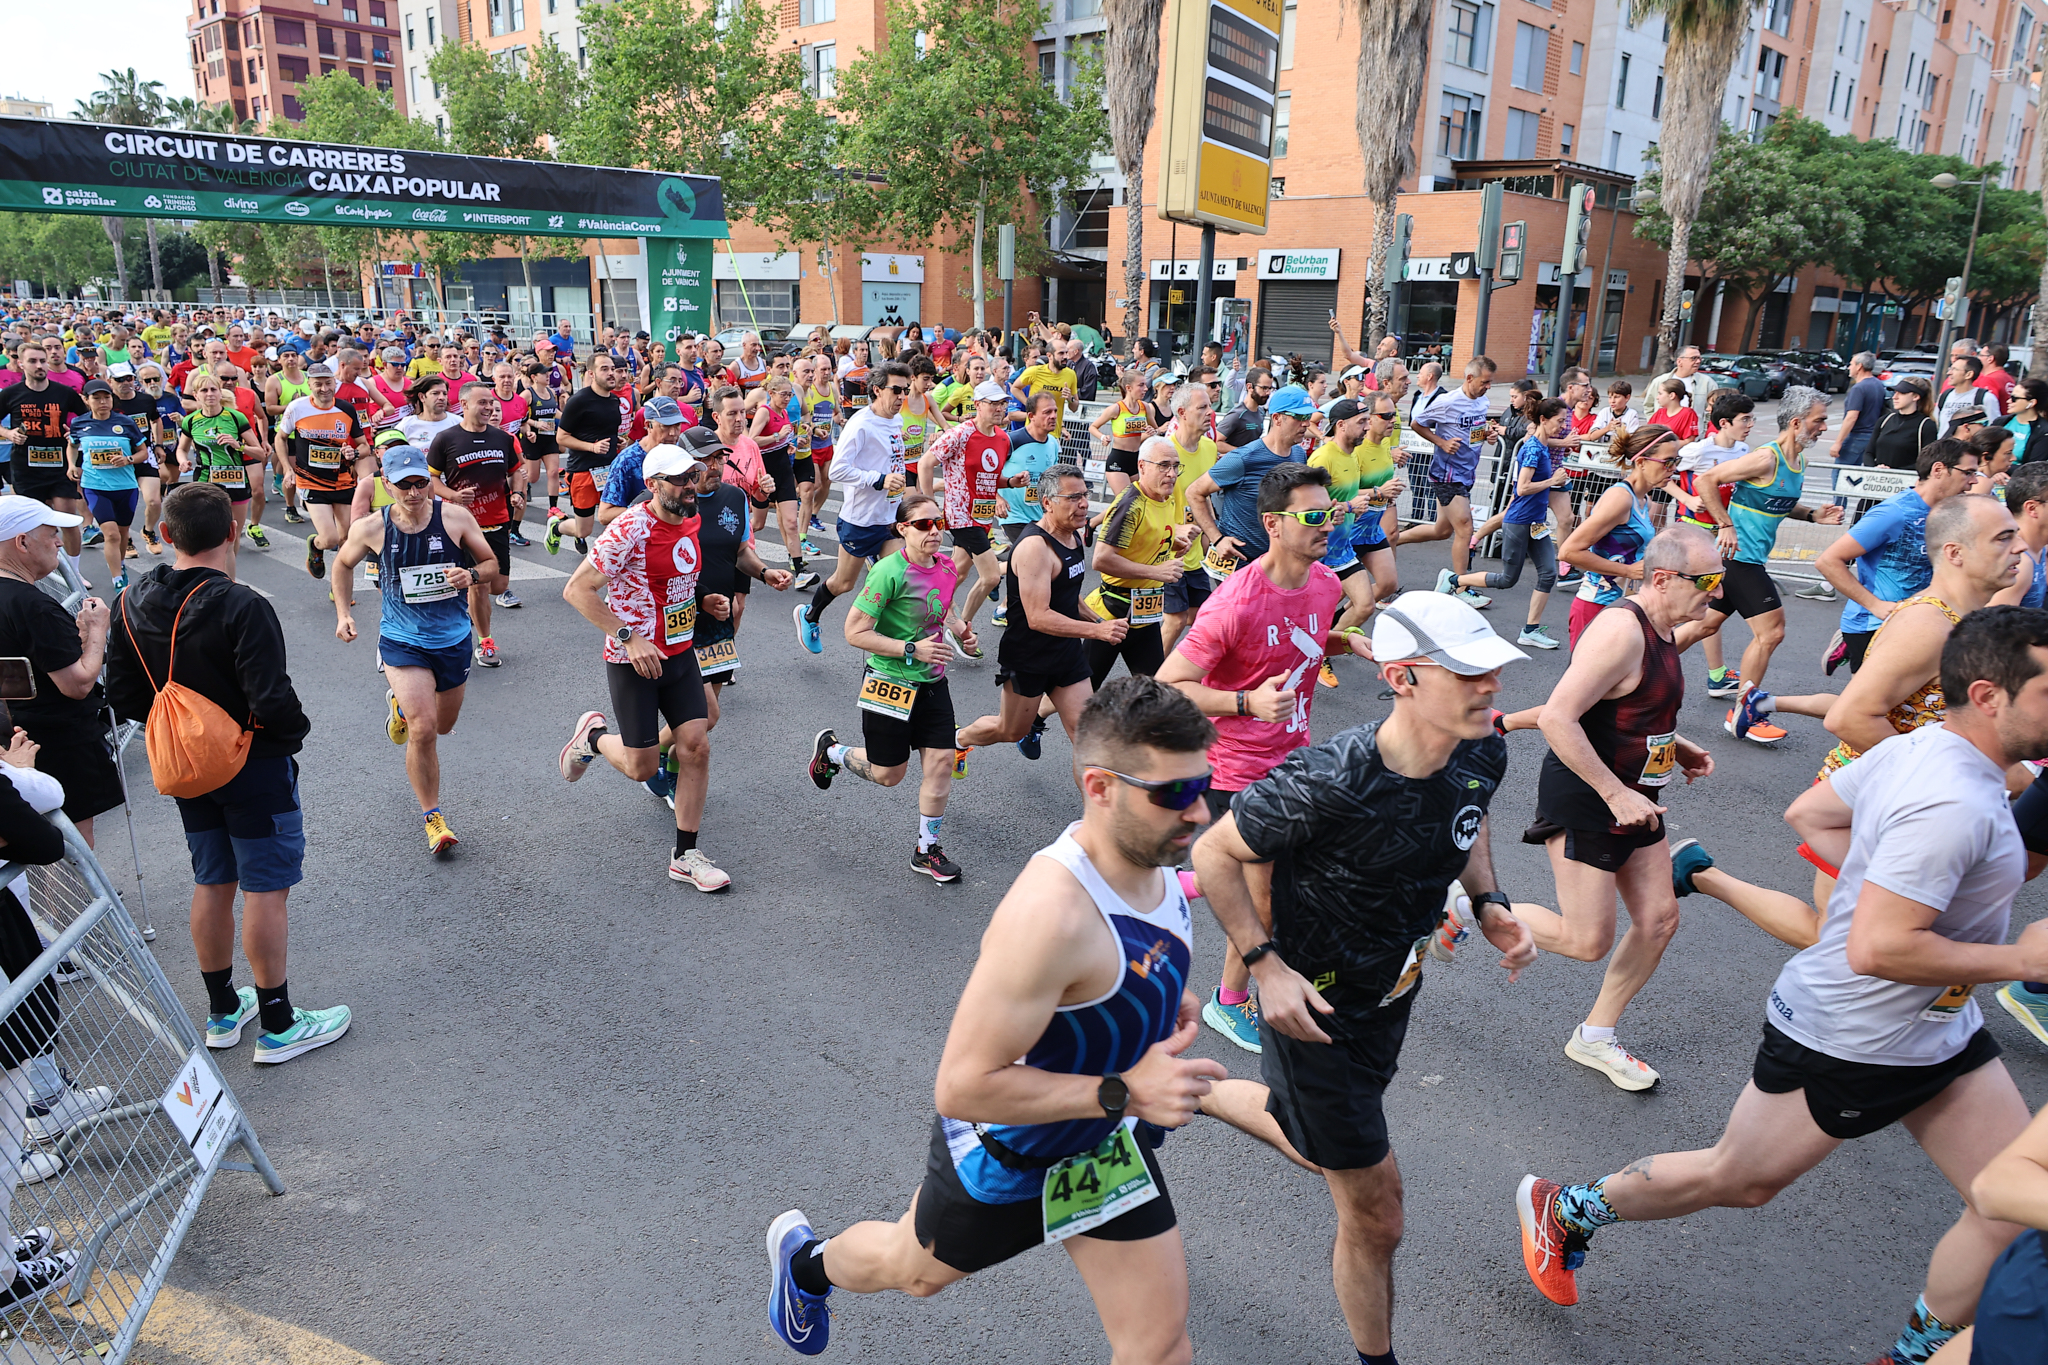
[[1551, 1252]]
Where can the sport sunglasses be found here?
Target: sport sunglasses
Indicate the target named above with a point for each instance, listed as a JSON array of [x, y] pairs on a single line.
[[1175, 793], [922, 524], [1314, 516]]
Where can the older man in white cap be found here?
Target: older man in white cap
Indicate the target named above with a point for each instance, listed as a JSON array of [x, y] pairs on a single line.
[[1353, 918], [969, 460]]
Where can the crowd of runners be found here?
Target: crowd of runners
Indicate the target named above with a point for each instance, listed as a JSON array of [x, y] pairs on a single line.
[[1248, 544]]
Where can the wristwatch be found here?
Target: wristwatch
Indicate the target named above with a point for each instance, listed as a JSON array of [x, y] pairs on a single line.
[[624, 634], [1490, 897], [910, 651], [1251, 955], [1113, 1095]]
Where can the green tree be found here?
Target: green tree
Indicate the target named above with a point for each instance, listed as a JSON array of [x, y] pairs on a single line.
[[124, 97], [57, 251], [495, 109], [956, 128]]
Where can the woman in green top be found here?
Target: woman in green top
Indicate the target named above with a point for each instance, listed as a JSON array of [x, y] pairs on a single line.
[[2029, 408], [217, 445], [900, 619]]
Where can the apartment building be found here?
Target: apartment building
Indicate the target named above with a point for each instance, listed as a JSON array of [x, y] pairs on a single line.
[[255, 54]]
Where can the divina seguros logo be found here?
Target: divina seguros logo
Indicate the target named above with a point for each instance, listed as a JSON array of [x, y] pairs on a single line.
[[245, 205]]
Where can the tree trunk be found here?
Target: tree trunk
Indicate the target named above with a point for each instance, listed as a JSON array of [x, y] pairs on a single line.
[[980, 274], [1393, 59], [1756, 311], [116, 230], [1381, 293], [1697, 65], [1674, 289], [1134, 261], [156, 260], [1131, 75]]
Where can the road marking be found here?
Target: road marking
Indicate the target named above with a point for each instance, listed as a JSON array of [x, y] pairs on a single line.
[[526, 569], [205, 1327]]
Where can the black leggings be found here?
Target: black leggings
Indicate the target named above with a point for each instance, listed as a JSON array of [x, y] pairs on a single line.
[[1517, 547]]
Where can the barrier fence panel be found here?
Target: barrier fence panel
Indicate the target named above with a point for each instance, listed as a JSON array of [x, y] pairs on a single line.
[[126, 1118]]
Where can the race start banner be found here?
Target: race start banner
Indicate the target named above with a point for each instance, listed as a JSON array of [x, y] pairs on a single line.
[[60, 166], [678, 289]]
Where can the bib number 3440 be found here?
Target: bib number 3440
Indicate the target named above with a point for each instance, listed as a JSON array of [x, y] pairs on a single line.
[[1087, 1190]]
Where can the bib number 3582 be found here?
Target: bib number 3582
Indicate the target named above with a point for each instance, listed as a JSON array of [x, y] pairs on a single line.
[[1087, 1190]]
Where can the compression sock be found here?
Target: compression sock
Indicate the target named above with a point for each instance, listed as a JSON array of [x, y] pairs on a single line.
[[220, 991], [807, 1268], [1717, 674], [927, 831], [1227, 996], [686, 839], [1588, 1033], [1583, 1208], [554, 503], [1924, 1335], [276, 1004], [1387, 1359], [819, 601]]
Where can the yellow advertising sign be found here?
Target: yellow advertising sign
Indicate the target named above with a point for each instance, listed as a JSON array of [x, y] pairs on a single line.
[[1222, 65]]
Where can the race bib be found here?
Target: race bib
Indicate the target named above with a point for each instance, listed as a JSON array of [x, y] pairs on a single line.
[[45, 457], [106, 457], [886, 696], [1220, 563], [984, 510], [323, 457], [228, 476], [722, 657], [422, 583], [1947, 1005], [1660, 757], [1411, 972], [1148, 606], [1539, 530], [1031, 494], [679, 623], [1088, 1190]]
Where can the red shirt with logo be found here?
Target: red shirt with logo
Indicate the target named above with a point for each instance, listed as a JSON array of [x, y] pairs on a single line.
[[970, 463], [652, 568]]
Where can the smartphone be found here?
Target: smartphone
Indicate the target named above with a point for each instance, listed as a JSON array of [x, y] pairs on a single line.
[[1333, 315], [17, 680]]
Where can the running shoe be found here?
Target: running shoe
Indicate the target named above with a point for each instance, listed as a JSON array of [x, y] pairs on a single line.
[[310, 1029], [1326, 675], [68, 969], [1033, 742], [1612, 1058], [1238, 1023], [440, 838], [132, 552], [92, 537], [508, 598], [316, 561], [553, 539], [1688, 860], [1473, 599], [37, 1167], [1536, 637], [823, 769], [1749, 711], [120, 581], [36, 1278], [513, 535], [487, 653], [934, 863], [2030, 1009], [151, 543], [810, 551], [1551, 1252], [394, 724], [663, 783], [1835, 654], [817, 527], [1571, 578], [801, 1319], [35, 1243], [579, 751], [48, 1119], [1000, 616], [225, 1030], [294, 515], [960, 764], [582, 545], [1727, 685], [975, 653], [1446, 580], [807, 633], [1456, 930], [807, 581], [258, 535], [1759, 732], [1818, 592], [696, 869]]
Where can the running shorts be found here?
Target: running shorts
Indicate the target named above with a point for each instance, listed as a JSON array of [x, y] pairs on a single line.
[[540, 447], [931, 726], [1123, 462], [1854, 644], [803, 470], [250, 831], [864, 542], [330, 497], [1218, 801], [1855, 1099], [449, 664], [586, 491], [43, 486], [1748, 590], [1326, 1096], [1188, 593], [781, 470], [640, 705], [499, 538], [970, 1235], [1446, 491], [1048, 672], [1606, 848], [973, 539], [112, 505]]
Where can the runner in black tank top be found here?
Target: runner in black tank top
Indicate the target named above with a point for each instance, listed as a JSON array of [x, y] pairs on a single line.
[[1612, 723], [1043, 668]]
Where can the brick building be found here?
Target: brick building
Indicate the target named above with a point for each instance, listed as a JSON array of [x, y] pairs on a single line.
[[254, 54]]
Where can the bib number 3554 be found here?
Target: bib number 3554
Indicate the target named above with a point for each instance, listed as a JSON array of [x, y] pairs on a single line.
[[1087, 1190]]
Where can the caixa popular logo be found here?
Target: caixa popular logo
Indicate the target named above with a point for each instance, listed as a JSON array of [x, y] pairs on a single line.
[[53, 195], [245, 205], [296, 209], [430, 215]]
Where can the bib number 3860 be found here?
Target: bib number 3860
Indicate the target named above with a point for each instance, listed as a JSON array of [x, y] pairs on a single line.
[[1087, 1190]]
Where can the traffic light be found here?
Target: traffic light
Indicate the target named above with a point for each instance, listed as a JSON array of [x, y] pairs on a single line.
[[1578, 229], [1513, 237], [1685, 304], [1490, 197], [1952, 298], [1396, 264]]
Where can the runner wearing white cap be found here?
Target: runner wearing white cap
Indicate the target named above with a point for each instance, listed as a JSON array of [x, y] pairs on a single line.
[[968, 459]]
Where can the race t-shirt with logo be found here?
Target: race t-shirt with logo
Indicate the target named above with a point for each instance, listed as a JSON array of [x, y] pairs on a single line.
[[104, 447], [482, 460], [1247, 632], [1030, 457], [44, 414], [1453, 417], [652, 568], [322, 444], [217, 454], [1893, 565], [908, 602], [1061, 383], [970, 464], [360, 401], [1695, 460], [1140, 529], [592, 416]]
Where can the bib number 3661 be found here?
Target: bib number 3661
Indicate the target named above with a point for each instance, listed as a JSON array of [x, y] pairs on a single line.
[[1087, 1190], [887, 696]]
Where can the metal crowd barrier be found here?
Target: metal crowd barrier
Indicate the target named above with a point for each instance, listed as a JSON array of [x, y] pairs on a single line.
[[128, 1118]]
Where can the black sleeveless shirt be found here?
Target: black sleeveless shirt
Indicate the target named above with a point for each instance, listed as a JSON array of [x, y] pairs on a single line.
[[1027, 650]]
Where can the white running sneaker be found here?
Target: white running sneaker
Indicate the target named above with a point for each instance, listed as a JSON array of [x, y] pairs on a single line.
[[579, 751], [696, 869], [1612, 1058]]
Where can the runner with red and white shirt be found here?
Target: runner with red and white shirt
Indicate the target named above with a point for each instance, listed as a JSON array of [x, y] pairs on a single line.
[[639, 586], [969, 460], [1250, 662]]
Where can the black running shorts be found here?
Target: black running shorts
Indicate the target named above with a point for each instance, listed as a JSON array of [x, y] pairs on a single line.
[[1326, 1096], [1856, 1099], [931, 726], [640, 705], [1748, 590], [969, 1235], [973, 539]]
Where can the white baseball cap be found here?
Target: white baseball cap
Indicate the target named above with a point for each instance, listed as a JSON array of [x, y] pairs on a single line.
[[666, 462], [1438, 627], [988, 391], [19, 516]]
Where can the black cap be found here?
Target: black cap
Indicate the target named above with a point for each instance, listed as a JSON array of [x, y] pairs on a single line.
[[703, 442], [93, 386], [1344, 409]]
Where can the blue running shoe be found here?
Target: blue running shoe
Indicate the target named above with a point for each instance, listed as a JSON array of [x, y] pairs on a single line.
[[225, 1030], [2030, 1009], [811, 551], [310, 1029], [807, 632], [1001, 616], [802, 1320], [1238, 1023], [663, 783], [1033, 742], [1750, 711], [1688, 860], [817, 527], [1727, 685]]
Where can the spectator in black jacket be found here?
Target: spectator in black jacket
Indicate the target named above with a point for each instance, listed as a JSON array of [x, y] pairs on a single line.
[[249, 834]]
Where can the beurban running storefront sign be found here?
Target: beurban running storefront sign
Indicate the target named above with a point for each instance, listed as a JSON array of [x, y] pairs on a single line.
[[60, 166]]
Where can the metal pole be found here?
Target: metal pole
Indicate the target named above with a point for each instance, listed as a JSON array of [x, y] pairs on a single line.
[[1969, 255], [1565, 285], [1202, 291], [1485, 307], [1597, 331], [1009, 289]]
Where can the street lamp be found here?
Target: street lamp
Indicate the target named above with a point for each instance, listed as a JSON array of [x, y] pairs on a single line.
[[1945, 181]]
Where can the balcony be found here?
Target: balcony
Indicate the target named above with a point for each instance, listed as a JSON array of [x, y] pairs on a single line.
[[381, 56]]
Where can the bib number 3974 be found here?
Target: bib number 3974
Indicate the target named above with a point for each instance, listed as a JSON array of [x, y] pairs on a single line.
[[1088, 1190], [1148, 606], [887, 696]]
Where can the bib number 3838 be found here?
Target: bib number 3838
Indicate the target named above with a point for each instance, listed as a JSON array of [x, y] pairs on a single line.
[[679, 623], [1087, 1190]]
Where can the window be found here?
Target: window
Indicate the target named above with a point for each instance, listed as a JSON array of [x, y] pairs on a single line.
[[293, 110], [582, 52], [752, 303], [1468, 39], [1532, 55], [440, 125], [1083, 9], [348, 12], [291, 33], [352, 45], [378, 18], [1770, 73], [1564, 141], [412, 84], [408, 33], [1521, 142], [507, 16], [252, 70], [327, 43], [817, 11], [1578, 58], [234, 36], [1621, 84], [430, 28], [384, 81], [1849, 99], [1283, 110], [1457, 129], [1834, 88], [328, 68], [1657, 96], [2023, 39], [1614, 151], [1779, 20], [512, 61], [1048, 65], [292, 69], [551, 6], [357, 72], [1289, 18], [821, 69]]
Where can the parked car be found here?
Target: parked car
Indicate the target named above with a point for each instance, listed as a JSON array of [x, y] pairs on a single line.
[[1784, 369], [1920, 365], [1743, 372], [1830, 373]]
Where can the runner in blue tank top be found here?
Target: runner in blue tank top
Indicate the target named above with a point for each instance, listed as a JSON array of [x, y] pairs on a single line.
[[1083, 974], [431, 552]]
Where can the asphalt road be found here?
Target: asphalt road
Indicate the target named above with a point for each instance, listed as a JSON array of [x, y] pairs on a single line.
[[576, 1092]]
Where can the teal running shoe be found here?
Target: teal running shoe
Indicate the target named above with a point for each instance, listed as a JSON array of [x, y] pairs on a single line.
[[1238, 1023], [225, 1030], [1688, 860], [2030, 1009], [310, 1029]]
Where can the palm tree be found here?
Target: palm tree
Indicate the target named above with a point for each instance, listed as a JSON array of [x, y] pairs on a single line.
[[1393, 59], [1131, 70], [125, 98], [1705, 36]]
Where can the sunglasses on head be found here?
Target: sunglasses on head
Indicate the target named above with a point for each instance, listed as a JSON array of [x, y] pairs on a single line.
[[1175, 793], [922, 524]]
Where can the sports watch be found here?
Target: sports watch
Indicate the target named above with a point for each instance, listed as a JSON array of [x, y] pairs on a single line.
[[1493, 897], [624, 634], [1113, 1095]]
